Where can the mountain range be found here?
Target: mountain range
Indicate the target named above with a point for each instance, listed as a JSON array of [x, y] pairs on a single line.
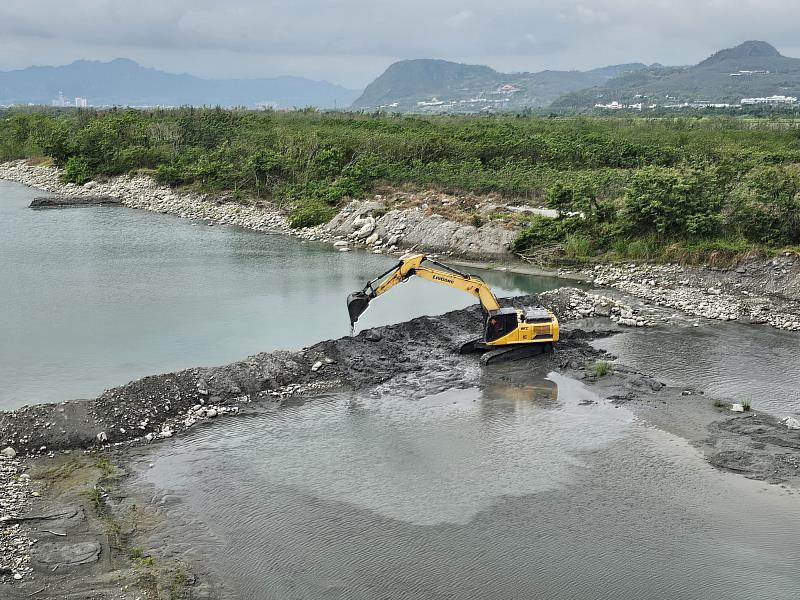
[[123, 82], [752, 69], [427, 85]]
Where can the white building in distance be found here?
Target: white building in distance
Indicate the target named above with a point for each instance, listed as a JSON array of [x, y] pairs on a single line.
[[772, 100]]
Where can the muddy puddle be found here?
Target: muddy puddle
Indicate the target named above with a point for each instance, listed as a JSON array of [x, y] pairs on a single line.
[[741, 362], [526, 486]]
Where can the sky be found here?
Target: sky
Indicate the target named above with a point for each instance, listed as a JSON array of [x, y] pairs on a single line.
[[350, 42]]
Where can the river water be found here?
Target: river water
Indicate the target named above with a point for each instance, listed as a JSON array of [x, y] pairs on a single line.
[[529, 487], [95, 297]]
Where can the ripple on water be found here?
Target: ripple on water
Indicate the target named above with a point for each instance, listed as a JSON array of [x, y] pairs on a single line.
[[731, 360], [519, 490]]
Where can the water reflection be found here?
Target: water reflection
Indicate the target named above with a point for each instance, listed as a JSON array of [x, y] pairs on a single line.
[[516, 489]]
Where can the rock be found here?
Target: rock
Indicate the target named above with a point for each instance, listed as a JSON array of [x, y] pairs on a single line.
[[372, 239], [340, 244], [316, 366], [791, 423], [374, 336], [202, 387], [602, 310], [9, 452], [48, 554], [102, 437], [366, 229], [344, 249], [211, 413], [737, 408], [90, 185], [73, 201]]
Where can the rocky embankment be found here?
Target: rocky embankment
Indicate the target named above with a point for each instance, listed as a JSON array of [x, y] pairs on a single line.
[[138, 191], [382, 225], [15, 496], [757, 290]]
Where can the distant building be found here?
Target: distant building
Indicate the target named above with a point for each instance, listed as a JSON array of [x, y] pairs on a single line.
[[770, 100], [507, 89], [612, 106], [60, 100], [81, 103], [749, 73]]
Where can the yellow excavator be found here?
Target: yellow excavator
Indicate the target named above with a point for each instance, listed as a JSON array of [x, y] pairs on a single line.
[[508, 333]]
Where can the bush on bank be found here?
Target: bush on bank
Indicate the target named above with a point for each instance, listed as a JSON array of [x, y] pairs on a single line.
[[633, 187]]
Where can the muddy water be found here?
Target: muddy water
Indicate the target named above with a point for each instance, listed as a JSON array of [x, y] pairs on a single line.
[[94, 297], [741, 362], [531, 487]]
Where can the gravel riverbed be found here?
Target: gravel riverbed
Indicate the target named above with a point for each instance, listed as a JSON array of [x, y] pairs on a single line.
[[757, 290]]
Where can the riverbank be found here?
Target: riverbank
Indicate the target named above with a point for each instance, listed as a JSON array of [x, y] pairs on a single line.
[[394, 224]]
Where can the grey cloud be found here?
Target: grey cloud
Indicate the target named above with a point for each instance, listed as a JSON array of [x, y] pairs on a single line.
[[351, 41]]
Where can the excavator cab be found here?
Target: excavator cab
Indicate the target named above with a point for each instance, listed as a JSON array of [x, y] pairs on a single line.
[[499, 323]]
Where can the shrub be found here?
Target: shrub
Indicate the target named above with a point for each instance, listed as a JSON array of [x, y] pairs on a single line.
[[309, 213], [673, 202], [577, 245], [77, 170], [602, 368], [766, 206], [543, 231]]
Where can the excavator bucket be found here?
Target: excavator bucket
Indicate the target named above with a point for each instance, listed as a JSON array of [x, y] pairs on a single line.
[[357, 303]]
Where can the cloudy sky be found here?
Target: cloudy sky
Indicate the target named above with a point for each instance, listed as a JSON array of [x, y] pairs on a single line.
[[352, 41]]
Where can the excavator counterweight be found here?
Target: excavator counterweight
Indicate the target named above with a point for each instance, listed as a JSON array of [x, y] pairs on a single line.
[[508, 333]]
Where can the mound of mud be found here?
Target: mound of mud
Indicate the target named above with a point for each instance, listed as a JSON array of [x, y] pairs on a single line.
[[73, 201], [420, 354]]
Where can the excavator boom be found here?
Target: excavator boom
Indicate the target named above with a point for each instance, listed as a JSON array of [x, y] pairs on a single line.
[[410, 265]]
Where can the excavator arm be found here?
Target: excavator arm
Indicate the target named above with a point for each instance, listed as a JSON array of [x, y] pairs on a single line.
[[411, 265]]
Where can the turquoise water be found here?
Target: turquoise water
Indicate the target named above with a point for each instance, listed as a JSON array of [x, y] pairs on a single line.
[[94, 297]]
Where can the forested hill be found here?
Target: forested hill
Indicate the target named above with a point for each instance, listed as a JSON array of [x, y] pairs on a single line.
[[122, 82], [752, 69], [427, 85]]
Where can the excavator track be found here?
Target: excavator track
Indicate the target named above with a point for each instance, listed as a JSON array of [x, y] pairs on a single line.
[[507, 354]]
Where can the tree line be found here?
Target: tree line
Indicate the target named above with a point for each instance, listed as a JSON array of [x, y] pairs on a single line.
[[631, 186]]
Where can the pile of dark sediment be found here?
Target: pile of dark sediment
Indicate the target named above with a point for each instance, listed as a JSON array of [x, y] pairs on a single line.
[[156, 406], [73, 201]]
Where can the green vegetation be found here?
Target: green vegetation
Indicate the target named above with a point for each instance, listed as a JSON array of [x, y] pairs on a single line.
[[177, 586], [601, 368], [720, 404], [631, 188], [746, 404], [104, 465]]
